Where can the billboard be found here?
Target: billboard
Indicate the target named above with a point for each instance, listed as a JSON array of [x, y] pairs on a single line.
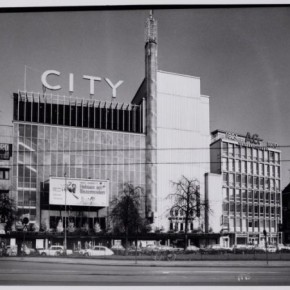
[[79, 192], [5, 151]]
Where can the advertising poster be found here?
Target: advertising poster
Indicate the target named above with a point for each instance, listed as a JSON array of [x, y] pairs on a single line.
[[79, 192]]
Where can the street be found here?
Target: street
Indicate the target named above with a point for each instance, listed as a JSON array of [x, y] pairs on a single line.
[[25, 272]]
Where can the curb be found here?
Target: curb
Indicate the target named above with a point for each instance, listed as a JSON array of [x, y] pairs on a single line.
[[185, 264]]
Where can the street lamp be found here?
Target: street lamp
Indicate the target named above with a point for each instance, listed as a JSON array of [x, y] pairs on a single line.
[[64, 244]]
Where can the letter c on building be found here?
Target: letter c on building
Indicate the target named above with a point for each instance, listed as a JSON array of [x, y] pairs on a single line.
[[44, 79]]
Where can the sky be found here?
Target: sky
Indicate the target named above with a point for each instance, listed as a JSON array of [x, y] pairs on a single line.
[[242, 56]]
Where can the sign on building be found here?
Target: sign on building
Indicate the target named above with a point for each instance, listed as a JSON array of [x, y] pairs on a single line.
[[5, 151], [78, 192]]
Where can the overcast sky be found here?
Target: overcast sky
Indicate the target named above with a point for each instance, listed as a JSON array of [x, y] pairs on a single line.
[[242, 56]]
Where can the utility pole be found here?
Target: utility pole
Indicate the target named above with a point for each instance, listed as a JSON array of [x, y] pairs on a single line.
[[65, 238]]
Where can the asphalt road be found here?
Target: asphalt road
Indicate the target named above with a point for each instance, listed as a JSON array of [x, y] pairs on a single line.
[[47, 274]]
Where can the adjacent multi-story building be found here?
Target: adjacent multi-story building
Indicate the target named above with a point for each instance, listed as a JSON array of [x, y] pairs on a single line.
[[251, 194], [5, 164]]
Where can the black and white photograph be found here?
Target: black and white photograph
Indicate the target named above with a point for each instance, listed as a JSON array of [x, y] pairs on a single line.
[[145, 145]]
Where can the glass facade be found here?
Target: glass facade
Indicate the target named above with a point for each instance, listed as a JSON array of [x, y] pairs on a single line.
[[44, 151]]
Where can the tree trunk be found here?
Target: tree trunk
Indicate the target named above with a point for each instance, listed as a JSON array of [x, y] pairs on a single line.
[[126, 241]]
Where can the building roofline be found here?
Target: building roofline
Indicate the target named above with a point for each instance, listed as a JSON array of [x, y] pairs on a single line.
[[172, 73]]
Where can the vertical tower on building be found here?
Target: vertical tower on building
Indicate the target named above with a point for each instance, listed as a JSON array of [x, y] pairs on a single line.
[[151, 122]]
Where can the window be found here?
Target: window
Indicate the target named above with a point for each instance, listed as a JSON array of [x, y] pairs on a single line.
[[272, 184], [237, 151], [256, 182], [244, 195], [250, 196], [249, 167], [225, 194], [231, 164], [266, 156], [238, 195], [261, 183], [272, 197], [267, 197], [261, 196], [277, 171], [243, 180], [260, 155], [245, 208], [225, 207], [278, 198], [224, 148], [4, 173], [267, 183], [224, 164], [256, 196], [272, 170], [272, 154], [238, 180], [255, 154], [250, 210], [238, 166], [250, 181], [231, 179], [243, 152], [261, 210], [261, 169], [277, 157], [232, 208], [225, 178], [249, 153], [231, 150], [256, 223], [277, 184], [232, 194], [243, 166]]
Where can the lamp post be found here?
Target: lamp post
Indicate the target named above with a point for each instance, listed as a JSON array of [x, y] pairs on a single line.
[[64, 244], [265, 234]]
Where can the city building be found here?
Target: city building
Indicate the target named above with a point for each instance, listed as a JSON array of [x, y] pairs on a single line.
[[5, 165], [251, 195], [286, 214], [73, 156]]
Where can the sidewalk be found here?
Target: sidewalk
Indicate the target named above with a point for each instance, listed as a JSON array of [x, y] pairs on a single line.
[[146, 263]]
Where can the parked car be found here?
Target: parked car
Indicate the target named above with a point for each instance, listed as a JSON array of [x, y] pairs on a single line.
[[192, 249], [215, 249], [243, 249], [25, 250], [149, 249], [54, 251], [283, 248], [118, 249], [98, 251], [133, 250], [10, 251]]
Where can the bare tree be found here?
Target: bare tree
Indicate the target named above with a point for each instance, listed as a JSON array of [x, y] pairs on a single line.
[[187, 200], [125, 214]]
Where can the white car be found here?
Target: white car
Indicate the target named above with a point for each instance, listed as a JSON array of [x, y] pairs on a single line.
[[11, 251], [98, 251], [54, 251]]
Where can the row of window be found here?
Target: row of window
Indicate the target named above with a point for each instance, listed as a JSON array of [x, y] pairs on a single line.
[[251, 209], [250, 196], [248, 167], [249, 181], [250, 223], [234, 150]]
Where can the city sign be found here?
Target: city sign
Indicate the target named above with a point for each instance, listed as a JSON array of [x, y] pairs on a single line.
[[78, 192], [92, 80], [5, 151]]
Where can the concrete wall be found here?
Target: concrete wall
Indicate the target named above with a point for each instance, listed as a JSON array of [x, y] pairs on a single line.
[[182, 136]]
